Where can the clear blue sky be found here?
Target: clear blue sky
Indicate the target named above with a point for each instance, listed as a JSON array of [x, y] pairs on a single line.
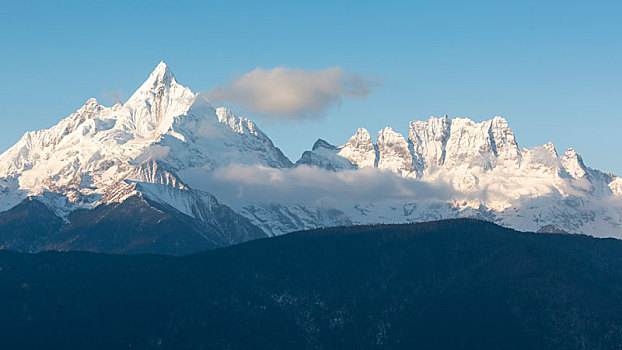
[[552, 68]]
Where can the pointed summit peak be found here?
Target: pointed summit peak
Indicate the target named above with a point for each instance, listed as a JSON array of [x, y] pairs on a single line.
[[499, 120], [161, 78], [91, 102], [573, 163], [161, 74], [389, 132], [161, 65], [361, 134], [549, 146], [162, 70], [157, 102], [91, 105], [571, 153], [360, 149]]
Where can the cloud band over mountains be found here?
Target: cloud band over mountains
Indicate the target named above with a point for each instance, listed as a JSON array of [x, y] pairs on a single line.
[[292, 93], [238, 185]]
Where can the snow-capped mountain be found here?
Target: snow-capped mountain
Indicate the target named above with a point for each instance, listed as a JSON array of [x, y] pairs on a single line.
[[97, 146], [488, 177], [134, 178], [102, 156]]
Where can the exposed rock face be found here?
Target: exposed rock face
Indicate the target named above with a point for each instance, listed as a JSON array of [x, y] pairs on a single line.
[[429, 141], [393, 152], [360, 149], [573, 164], [444, 142]]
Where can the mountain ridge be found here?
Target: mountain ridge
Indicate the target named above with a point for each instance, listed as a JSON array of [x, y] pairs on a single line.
[[166, 141]]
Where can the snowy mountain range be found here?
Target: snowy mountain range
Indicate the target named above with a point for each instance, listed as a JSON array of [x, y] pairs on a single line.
[[167, 172]]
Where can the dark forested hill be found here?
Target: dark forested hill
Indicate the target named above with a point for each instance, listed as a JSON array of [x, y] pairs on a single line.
[[458, 284]]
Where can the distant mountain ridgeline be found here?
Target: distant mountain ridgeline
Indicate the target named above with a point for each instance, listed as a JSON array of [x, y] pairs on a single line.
[[456, 284]]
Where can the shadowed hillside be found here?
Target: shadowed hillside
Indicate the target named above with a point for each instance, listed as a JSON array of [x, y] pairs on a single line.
[[457, 284]]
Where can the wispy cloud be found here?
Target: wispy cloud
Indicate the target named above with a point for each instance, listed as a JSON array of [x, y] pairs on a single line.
[[291, 93], [240, 184], [112, 97]]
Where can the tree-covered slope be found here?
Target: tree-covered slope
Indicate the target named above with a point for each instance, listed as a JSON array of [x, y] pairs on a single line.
[[458, 284]]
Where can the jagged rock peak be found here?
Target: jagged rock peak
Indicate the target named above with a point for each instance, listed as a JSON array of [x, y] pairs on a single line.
[[429, 139], [91, 103], [361, 136], [326, 156], [393, 152], [504, 143], [322, 144], [573, 163], [360, 149], [240, 125], [91, 108], [572, 153], [550, 147]]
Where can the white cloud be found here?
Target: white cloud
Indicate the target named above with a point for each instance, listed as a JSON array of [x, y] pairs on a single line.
[[238, 185], [290, 93], [112, 97], [241, 184]]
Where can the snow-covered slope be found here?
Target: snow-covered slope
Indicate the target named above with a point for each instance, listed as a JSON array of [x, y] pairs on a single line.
[[98, 154], [157, 152], [98, 146], [485, 174], [360, 149], [325, 155]]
